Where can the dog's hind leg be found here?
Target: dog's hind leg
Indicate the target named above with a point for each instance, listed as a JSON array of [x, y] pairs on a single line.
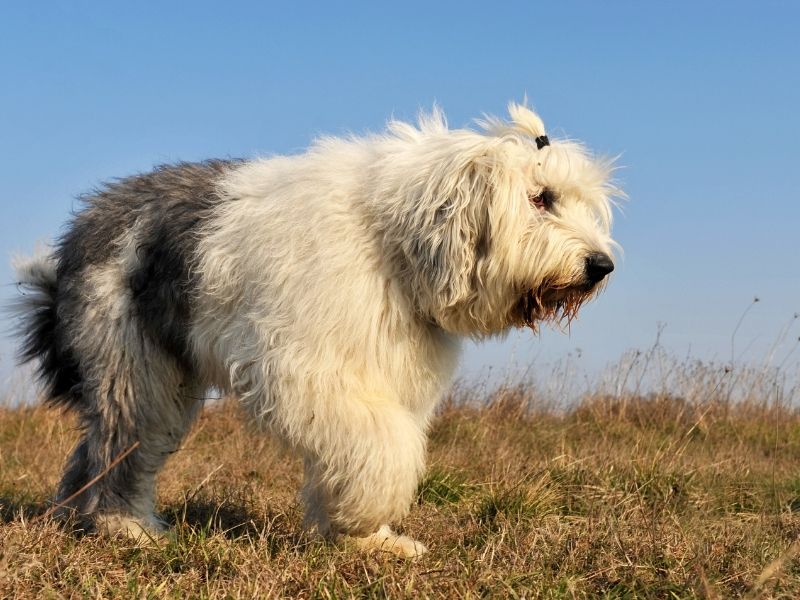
[[133, 395], [148, 409]]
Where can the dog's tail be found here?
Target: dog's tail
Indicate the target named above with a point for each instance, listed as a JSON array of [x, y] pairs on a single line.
[[37, 324]]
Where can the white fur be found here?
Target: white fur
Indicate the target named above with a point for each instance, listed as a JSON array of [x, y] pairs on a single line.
[[336, 285]]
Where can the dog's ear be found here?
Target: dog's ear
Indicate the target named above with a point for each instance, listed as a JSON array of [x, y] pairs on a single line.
[[448, 230]]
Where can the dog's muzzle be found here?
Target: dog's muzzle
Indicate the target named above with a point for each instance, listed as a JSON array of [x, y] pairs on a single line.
[[598, 265], [560, 302]]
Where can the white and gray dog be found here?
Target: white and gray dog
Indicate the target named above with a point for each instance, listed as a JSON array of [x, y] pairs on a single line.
[[329, 291]]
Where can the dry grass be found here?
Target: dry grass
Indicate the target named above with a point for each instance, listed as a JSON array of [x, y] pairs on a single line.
[[690, 494]]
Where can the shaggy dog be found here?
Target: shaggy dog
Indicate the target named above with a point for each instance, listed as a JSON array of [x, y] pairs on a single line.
[[329, 291]]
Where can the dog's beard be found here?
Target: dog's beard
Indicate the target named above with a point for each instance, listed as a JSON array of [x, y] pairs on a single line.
[[552, 303]]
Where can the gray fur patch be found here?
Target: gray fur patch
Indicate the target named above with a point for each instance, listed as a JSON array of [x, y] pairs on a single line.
[[166, 207]]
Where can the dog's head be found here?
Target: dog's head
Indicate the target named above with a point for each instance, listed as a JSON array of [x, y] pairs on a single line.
[[500, 227]]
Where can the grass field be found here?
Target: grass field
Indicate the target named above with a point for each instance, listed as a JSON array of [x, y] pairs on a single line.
[[691, 492]]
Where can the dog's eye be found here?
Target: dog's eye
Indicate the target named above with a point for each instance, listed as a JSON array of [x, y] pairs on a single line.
[[543, 200]]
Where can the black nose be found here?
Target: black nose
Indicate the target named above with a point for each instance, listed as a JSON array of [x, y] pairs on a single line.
[[598, 265]]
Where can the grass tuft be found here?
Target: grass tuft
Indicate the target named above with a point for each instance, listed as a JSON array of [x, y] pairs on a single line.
[[442, 487]]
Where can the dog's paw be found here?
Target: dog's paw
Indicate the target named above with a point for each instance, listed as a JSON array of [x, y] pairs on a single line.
[[386, 540], [139, 530]]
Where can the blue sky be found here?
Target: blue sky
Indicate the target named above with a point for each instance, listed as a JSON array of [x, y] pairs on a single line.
[[699, 98]]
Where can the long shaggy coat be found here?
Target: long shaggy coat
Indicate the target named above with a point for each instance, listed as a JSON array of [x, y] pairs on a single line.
[[328, 290]]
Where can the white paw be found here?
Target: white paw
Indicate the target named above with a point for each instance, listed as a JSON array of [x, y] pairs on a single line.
[[386, 540], [138, 530]]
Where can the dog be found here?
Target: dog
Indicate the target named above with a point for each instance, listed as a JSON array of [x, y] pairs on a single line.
[[329, 291]]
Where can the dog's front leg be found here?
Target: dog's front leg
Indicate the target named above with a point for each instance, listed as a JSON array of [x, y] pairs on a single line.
[[361, 474]]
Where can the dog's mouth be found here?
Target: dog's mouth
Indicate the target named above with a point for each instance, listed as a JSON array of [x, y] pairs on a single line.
[[552, 303]]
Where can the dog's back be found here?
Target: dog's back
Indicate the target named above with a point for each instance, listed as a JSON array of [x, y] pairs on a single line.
[[137, 233]]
